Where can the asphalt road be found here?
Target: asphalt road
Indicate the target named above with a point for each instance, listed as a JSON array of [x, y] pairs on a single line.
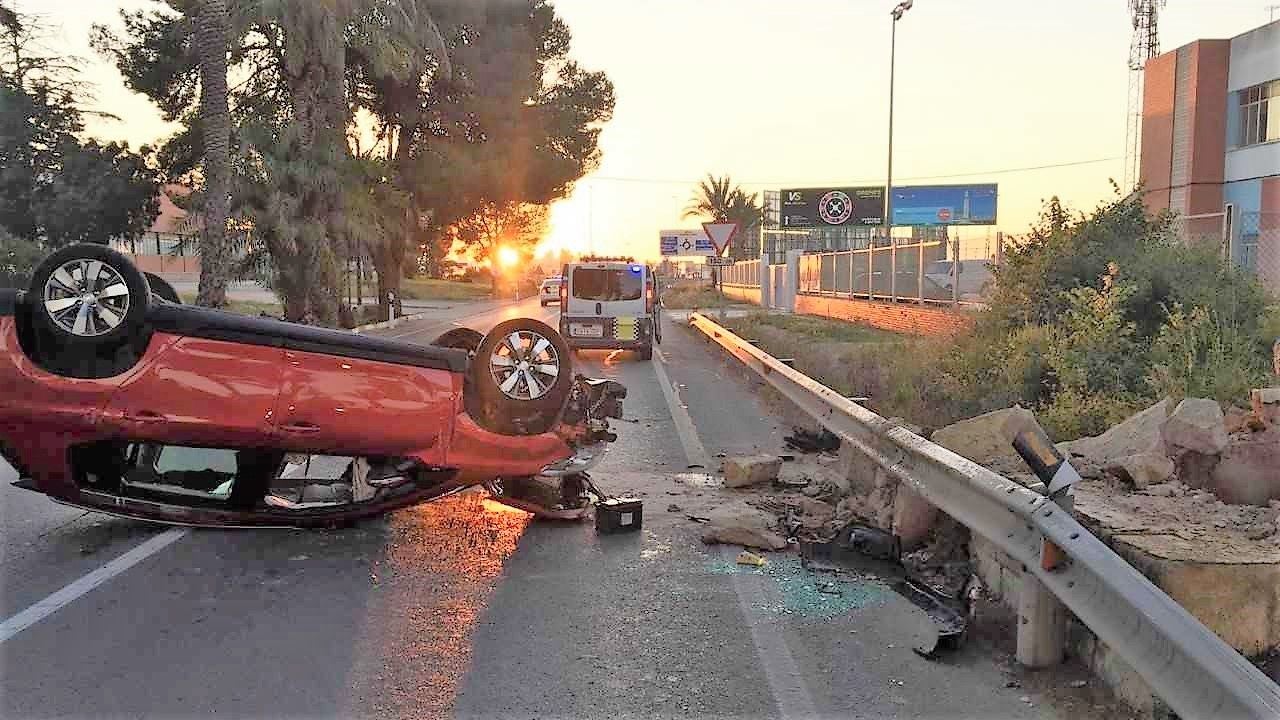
[[465, 608]]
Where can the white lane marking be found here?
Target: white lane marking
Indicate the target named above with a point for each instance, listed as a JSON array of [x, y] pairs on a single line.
[[79, 588], [786, 684], [694, 451], [780, 668]]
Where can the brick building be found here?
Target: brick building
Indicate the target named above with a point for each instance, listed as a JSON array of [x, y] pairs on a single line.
[[1211, 143]]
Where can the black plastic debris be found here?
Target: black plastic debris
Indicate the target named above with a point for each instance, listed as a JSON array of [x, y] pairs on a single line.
[[808, 441], [869, 550]]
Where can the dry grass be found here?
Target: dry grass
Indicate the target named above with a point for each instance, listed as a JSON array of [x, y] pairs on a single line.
[[243, 307], [689, 297], [896, 372]]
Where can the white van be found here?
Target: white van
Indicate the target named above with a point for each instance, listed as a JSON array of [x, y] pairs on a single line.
[[610, 304]]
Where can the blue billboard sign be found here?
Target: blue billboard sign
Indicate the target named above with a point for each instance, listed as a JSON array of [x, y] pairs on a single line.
[[944, 205]]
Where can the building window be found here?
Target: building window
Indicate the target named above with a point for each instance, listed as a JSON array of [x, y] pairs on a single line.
[[1259, 113]]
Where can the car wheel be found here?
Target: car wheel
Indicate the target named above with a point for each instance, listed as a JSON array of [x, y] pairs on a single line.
[[161, 287], [89, 296], [646, 352], [522, 373]]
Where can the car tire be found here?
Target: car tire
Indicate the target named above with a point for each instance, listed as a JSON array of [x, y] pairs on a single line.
[[97, 312], [646, 352], [162, 289], [508, 401], [460, 339]]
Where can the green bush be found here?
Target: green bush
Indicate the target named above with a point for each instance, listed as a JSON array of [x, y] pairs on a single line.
[[1201, 354], [18, 258]]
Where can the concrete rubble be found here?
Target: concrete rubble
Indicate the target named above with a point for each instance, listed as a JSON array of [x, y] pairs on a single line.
[[746, 470], [1197, 424], [1140, 470], [737, 523]]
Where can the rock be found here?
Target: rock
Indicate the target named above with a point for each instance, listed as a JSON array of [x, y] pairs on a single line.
[[1142, 469], [1195, 469], [814, 511], [1249, 471], [1169, 489], [745, 470], [738, 523], [988, 438], [1196, 424], [913, 517], [1235, 420], [1139, 434], [1266, 405]]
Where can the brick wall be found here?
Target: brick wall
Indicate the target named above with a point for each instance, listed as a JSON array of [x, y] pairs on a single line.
[[898, 317], [1157, 130]]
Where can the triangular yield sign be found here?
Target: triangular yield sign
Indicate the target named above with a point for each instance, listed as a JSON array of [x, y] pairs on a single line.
[[721, 234]]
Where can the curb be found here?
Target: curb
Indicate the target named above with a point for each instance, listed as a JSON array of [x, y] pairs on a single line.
[[386, 323]]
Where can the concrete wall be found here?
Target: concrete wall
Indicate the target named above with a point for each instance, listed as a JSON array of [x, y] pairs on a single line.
[[742, 293], [1255, 57], [898, 317]]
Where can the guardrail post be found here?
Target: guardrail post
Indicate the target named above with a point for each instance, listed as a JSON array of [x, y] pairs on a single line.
[[893, 269], [871, 268], [920, 271], [1042, 618]]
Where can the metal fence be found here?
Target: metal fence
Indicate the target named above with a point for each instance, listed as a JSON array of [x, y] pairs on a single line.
[[923, 272], [1251, 240], [744, 273], [1257, 245]]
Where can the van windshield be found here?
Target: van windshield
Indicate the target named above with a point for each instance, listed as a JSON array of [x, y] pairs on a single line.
[[607, 284]]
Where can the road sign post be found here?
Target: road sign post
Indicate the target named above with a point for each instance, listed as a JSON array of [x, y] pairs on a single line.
[[721, 235]]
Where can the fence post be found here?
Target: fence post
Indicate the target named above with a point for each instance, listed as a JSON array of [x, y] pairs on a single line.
[[893, 269], [920, 271], [955, 263], [871, 252]]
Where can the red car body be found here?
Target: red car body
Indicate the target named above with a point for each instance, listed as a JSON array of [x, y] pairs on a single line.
[[209, 379]]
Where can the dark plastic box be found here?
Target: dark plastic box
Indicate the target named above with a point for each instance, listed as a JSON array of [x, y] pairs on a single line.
[[619, 515]]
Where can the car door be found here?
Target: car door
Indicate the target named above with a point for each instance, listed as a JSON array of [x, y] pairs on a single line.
[[354, 406], [201, 392]]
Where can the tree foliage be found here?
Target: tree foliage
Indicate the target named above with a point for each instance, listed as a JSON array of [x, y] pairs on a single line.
[[373, 125], [54, 188], [719, 200]]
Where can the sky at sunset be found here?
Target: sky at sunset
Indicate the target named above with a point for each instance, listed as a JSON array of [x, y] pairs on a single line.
[[792, 93]]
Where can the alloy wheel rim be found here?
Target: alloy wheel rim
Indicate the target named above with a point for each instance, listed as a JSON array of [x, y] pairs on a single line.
[[86, 298], [525, 365]]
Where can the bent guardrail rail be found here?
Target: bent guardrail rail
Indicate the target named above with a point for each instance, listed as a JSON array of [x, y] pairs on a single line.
[[1192, 669]]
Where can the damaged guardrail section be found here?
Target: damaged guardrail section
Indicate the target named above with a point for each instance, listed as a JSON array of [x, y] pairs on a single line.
[[1193, 670]]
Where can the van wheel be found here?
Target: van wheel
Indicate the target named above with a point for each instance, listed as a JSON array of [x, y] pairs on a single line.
[[89, 297], [522, 373], [646, 352]]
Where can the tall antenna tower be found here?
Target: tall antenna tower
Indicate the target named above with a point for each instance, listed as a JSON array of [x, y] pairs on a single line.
[[1144, 46]]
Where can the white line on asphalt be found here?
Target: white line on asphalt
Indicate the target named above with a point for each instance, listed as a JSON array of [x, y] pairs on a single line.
[[694, 451], [786, 684], [86, 584]]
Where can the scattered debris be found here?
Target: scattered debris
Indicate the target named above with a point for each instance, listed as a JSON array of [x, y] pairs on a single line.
[[737, 523], [808, 441], [673, 508], [1141, 469], [748, 470], [746, 557], [787, 458], [698, 480], [1078, 683], [792, 482]]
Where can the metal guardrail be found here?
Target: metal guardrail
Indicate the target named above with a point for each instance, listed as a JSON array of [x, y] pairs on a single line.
[[1192, 669]]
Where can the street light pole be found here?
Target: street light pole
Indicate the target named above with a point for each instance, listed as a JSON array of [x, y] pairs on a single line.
[[896, 13], [888, 174]]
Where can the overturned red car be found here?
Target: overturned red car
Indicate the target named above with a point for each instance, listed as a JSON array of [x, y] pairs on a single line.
[[115, 399]]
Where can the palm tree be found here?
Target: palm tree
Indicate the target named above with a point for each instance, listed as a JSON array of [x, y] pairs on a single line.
[[211, 27], [719, 200]]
